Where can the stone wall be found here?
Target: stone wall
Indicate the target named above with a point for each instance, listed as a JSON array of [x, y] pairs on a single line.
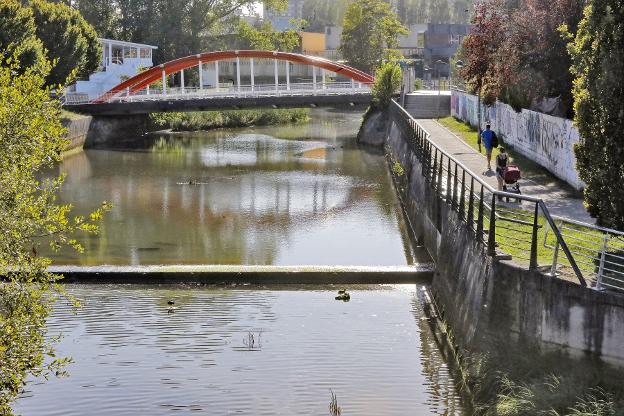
[[486, 300], [547, 140]]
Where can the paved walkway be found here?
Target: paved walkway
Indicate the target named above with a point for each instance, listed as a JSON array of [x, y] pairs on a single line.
[[559, 201]]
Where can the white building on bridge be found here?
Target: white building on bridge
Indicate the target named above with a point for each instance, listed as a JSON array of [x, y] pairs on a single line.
[[120, 60]]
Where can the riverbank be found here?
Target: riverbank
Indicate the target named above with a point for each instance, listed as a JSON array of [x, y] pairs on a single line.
[[208, 120], [529, 343]]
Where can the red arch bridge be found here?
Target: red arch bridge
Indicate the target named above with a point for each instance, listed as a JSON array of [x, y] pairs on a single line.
[[252, 79]]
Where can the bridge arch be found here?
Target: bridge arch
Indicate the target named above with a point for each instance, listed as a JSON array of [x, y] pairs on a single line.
[[156, 73]]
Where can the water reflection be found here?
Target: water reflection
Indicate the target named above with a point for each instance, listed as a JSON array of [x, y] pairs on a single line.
[[132, 357], [281, 195]]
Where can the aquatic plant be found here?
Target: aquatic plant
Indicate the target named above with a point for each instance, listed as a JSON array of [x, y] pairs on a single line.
[[206, 120], [334, 409], [397, 169]]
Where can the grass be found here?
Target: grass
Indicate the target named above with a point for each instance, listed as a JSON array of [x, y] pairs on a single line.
[[68, 115], [207, 120], [529, 168]]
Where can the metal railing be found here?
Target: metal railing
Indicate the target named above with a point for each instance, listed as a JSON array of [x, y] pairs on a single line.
[[514, 226], [234, 91]]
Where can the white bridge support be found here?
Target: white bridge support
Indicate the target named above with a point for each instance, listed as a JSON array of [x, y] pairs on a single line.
[[201, 75], [276, 75], [251, 74], [182, 81], [217, 75], [238, 83], [164, 82]]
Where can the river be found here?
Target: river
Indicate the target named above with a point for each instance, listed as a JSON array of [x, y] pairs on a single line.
[[289, 195]]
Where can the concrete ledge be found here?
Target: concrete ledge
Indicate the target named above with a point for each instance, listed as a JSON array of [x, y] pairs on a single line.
[[421, 273]]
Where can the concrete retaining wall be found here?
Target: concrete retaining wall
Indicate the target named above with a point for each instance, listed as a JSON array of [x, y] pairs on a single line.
[[486, 299], [547, 140], [77, 130]]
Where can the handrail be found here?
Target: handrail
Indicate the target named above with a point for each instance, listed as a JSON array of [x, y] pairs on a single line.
[[540, 205], [464, 167]]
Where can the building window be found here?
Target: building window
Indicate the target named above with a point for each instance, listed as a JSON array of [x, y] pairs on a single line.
[[456, 39]]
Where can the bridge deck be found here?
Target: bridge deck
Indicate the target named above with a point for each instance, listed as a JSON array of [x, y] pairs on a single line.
[[221, 103]]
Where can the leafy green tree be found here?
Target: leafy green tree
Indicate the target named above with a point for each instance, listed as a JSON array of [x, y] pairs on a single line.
[[387, 84], [322, 13], [18, 39], [101, 14], [370, 28], [70, 42], [598, 67], [31, 139], [264, 37]]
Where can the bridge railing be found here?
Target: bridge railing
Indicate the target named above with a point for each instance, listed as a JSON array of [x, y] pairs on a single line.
[[241, 91], [514, 226]]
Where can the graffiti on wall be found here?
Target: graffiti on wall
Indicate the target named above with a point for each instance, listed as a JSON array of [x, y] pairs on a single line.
[[547, 140]]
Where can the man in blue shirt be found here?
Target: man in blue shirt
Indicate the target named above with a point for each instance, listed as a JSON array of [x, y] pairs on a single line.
[[487, 137]]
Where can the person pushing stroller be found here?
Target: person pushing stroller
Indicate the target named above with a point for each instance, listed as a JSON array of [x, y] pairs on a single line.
[[507, 174]]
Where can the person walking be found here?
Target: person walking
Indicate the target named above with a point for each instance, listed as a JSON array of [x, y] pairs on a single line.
[[489, 140], [501, 163]]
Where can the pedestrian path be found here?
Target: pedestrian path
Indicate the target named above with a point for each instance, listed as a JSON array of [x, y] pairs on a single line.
[[559, 201]]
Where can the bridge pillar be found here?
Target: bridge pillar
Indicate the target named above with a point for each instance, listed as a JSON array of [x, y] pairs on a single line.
[[201, 75], [276, 75], [314, 78], [237, 74], [288, 75], [251, 67], [164, 82], [182, 80], [323, 77], [217, 75]]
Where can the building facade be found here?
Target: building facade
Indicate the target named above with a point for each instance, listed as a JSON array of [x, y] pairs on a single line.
[[120, 60]]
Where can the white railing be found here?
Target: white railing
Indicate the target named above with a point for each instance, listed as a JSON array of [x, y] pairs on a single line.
[[233, 91]]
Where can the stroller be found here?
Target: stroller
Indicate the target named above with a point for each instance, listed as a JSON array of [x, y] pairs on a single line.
[[511, 176]]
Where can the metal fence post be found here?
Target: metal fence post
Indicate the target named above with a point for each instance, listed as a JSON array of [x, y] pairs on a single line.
[[533, 263], [462, 196], [440, 169], [434, 171], [492, 228], [553, 268], [454, 202], [603, 254], [480, 216], [448, 182], [470, 219]]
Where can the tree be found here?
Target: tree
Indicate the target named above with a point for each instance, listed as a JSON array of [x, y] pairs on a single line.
[[18, 39], [70, 42], [387, 83], [598, 66], [322, 13], [482, 70], [516, 50], [101, 15], [263, 37], [31, 139], [370, 28]]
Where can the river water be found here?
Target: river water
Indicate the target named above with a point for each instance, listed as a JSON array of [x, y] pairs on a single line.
[[290, 195], [133, 357]]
